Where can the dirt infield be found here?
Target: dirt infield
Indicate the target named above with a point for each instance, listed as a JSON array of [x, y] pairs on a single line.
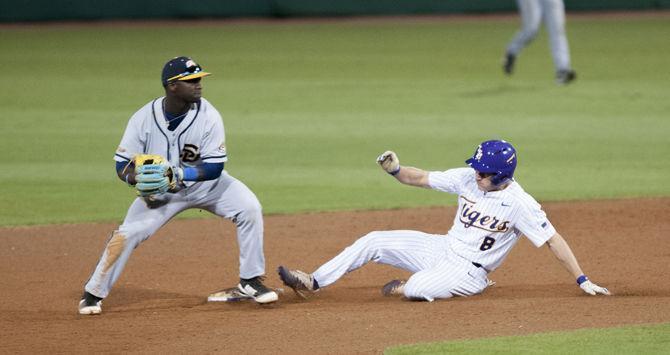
[[159, 305]]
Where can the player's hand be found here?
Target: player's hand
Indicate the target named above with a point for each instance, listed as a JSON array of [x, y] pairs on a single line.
[[389, 162], [591, 288], [176, 175]]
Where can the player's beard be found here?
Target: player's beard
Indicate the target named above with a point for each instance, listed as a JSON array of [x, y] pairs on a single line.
[[197, 96]]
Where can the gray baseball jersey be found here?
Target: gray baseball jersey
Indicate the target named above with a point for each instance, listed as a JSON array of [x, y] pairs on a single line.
[[198, 138]]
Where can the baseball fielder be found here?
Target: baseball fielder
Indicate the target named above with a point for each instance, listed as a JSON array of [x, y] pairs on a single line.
[[493, 212], [552, 13], [184, 135]]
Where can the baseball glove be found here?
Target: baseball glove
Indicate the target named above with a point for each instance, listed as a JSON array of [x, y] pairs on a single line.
[[154, 175]]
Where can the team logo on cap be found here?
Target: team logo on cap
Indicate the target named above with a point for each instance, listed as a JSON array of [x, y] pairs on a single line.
[[191, 63], [479, 154]]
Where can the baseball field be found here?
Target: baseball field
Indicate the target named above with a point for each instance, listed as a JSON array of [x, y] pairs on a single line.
[[307, 106]]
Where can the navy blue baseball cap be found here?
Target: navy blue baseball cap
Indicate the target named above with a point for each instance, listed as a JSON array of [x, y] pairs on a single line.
[[181, 68]]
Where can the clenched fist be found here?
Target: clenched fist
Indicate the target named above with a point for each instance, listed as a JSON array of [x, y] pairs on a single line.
[[389, 162]]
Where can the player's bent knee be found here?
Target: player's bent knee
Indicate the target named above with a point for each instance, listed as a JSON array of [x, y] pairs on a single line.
[[422, 289], [417, 295], [530, 32], [370, 236], [136, 233], [251, 212], [374, 236], [370, 240]]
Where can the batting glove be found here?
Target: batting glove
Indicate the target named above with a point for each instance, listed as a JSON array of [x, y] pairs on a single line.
[[389, 162], [591, 288]]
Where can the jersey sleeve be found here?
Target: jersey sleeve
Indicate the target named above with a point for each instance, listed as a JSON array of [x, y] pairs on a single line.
[[132, 142], [533, 223], [214, 140], [448, 181]]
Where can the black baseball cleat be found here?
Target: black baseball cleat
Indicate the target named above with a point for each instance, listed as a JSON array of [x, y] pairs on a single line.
[[255, 289], [508, 63], [564, 77], [90, 304]]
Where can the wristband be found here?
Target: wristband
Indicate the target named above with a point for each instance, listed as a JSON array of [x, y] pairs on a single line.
[[394, 173], [582, 279], [190, 174]]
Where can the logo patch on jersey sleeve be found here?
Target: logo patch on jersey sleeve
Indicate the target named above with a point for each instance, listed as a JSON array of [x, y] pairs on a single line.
[[120, 149], [222, 149], [544, 225]]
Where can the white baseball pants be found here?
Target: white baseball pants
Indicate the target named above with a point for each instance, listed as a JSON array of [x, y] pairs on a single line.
[[438, 271], [226, 197], [533, 13]]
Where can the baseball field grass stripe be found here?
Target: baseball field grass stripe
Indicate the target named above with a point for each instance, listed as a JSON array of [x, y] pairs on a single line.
[[308, 107], [648, 339]]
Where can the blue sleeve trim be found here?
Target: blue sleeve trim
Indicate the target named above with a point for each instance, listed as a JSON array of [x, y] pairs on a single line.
[[203, 172], [190, 174], [120, 165]]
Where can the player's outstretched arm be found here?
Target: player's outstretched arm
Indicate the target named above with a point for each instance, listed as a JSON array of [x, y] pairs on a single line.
[[564, 254], [405, 174]]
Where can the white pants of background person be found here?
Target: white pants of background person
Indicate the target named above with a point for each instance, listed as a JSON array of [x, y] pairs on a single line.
[[552, 13]]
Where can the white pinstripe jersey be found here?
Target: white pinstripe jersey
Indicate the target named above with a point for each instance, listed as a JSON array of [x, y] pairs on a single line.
[[199, 138], [487, 225]]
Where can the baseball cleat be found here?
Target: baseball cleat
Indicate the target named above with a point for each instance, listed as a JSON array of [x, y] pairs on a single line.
[[301, 282], [232, 294], [508, 63], [394, 288], [255, 289], [564, 77], [90, 304]]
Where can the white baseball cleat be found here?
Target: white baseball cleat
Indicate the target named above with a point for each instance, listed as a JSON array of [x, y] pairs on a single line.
[[90, 304], [255, 289]]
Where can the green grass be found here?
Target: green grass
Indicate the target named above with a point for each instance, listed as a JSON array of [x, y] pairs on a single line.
[[308, 107], [651, 339]]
